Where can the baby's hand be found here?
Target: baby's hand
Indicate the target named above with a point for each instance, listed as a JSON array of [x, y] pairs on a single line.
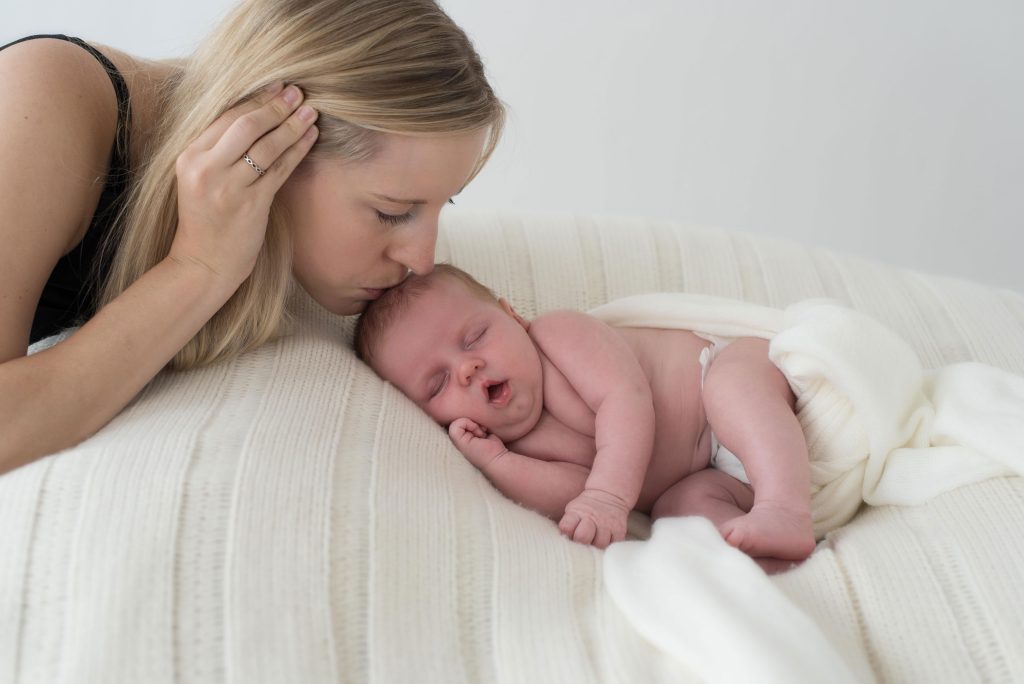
[[478, 446], [595, 517]]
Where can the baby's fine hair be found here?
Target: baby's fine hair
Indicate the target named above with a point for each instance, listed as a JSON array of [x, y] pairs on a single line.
[[382, 312]]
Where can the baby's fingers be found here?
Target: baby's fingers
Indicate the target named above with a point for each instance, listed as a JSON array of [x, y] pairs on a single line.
[[603, 538], [460, 426], [585, 532], [457, 431], [468, 425], [567, 525]]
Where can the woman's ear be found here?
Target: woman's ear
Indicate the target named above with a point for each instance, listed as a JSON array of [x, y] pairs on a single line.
[[512, 312]]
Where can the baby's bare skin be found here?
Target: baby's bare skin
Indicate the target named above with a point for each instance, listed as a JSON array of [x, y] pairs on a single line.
[[583, 422], [682, 442], [682, 445]]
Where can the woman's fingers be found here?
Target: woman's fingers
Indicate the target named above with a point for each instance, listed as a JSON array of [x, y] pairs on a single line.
[[223, 201], [248, 129], [216, 130], [278, 153]]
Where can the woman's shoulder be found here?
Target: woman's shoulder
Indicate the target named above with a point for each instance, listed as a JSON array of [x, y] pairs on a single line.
[[53, 85], [58, 116]]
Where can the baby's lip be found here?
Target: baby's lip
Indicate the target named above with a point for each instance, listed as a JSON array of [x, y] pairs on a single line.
[[498, 392]]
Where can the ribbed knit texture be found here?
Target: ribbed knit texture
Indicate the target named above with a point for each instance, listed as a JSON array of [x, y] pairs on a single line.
[[287, 517]]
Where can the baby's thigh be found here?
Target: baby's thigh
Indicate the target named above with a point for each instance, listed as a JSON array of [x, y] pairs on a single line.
[[708, 493], [744, 371]]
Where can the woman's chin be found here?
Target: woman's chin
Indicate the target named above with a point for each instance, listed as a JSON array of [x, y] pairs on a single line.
[[348, 308], [330, 299], [342, 307]]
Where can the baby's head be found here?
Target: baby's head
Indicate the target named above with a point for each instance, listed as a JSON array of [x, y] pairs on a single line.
[[456, 350]]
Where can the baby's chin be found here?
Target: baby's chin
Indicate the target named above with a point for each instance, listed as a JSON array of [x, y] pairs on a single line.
[[511, 433]]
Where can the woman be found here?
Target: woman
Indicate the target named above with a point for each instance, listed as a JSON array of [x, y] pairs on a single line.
[[317, 139]]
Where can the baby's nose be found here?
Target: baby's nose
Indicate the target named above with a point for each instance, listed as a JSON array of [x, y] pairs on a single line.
[[469, 369]]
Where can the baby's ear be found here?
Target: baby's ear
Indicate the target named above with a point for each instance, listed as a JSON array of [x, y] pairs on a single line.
[[512, 312]]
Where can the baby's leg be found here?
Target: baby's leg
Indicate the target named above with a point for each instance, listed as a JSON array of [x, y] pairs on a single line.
[[708, 493], [712, 494], [750, 408]]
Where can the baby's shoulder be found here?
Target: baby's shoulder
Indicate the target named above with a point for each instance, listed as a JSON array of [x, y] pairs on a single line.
[[571, 337], [566, 322]]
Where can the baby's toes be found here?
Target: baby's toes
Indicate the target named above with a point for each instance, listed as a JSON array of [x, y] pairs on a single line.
[[734, 533]]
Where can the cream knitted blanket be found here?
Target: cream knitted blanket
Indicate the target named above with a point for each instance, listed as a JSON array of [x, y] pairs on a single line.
[[288, 517]]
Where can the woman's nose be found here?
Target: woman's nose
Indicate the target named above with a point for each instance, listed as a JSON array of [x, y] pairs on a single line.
[[468, 369], [416, 249]]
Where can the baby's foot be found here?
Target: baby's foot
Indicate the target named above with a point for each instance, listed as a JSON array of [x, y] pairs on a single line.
[[773, 531]]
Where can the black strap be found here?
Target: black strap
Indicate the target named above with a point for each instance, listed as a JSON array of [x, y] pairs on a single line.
[[68, 298], [119, 163]]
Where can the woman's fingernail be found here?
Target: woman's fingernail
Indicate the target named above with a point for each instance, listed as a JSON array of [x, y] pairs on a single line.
[[273, 88], [291, 95], [306, 113]]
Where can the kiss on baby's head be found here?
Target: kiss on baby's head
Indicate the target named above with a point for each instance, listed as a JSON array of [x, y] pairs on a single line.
[[381, 313]]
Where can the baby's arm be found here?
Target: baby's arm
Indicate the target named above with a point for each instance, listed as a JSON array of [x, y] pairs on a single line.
[[750, 408], [544, 486], [604, 372]]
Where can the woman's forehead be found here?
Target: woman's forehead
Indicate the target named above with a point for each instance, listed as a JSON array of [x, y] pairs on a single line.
[[420, 169]]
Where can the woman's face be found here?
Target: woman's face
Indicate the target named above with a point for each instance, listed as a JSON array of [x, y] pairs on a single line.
[[358, 228]]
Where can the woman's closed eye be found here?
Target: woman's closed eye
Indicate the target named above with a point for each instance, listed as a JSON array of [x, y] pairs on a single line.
[[396, 219], [393, 219]]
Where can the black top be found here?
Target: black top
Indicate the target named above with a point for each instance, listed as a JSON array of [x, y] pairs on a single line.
[[69, 295]]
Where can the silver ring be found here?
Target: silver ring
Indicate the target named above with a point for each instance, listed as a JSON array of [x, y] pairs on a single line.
[[248, 160]]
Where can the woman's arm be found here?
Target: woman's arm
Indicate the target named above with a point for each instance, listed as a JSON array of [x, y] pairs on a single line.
[[58, 397], [58, 117]]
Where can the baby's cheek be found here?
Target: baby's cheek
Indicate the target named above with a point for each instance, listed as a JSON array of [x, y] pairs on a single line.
[[441, 418]]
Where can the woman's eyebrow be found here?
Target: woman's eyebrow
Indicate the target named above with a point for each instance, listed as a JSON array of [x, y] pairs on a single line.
[[395, 200]]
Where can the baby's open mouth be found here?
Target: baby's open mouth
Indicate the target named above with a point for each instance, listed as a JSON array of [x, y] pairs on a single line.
[[497, 392]]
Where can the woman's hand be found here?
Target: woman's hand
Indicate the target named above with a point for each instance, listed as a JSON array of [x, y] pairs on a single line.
[[223, 200]]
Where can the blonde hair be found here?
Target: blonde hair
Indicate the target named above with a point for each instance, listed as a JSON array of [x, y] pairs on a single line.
[[382, 312], [367, 66]]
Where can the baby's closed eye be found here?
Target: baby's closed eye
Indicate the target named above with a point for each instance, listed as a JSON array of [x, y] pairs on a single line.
[[436, 385], [475, 338]]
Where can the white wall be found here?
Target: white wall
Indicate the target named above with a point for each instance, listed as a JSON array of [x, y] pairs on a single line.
[[884, 128]]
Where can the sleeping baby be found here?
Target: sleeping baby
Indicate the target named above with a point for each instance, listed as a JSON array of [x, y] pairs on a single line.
[[584, 422]]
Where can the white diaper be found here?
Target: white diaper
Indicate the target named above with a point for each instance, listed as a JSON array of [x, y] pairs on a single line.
[[721, 458]]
